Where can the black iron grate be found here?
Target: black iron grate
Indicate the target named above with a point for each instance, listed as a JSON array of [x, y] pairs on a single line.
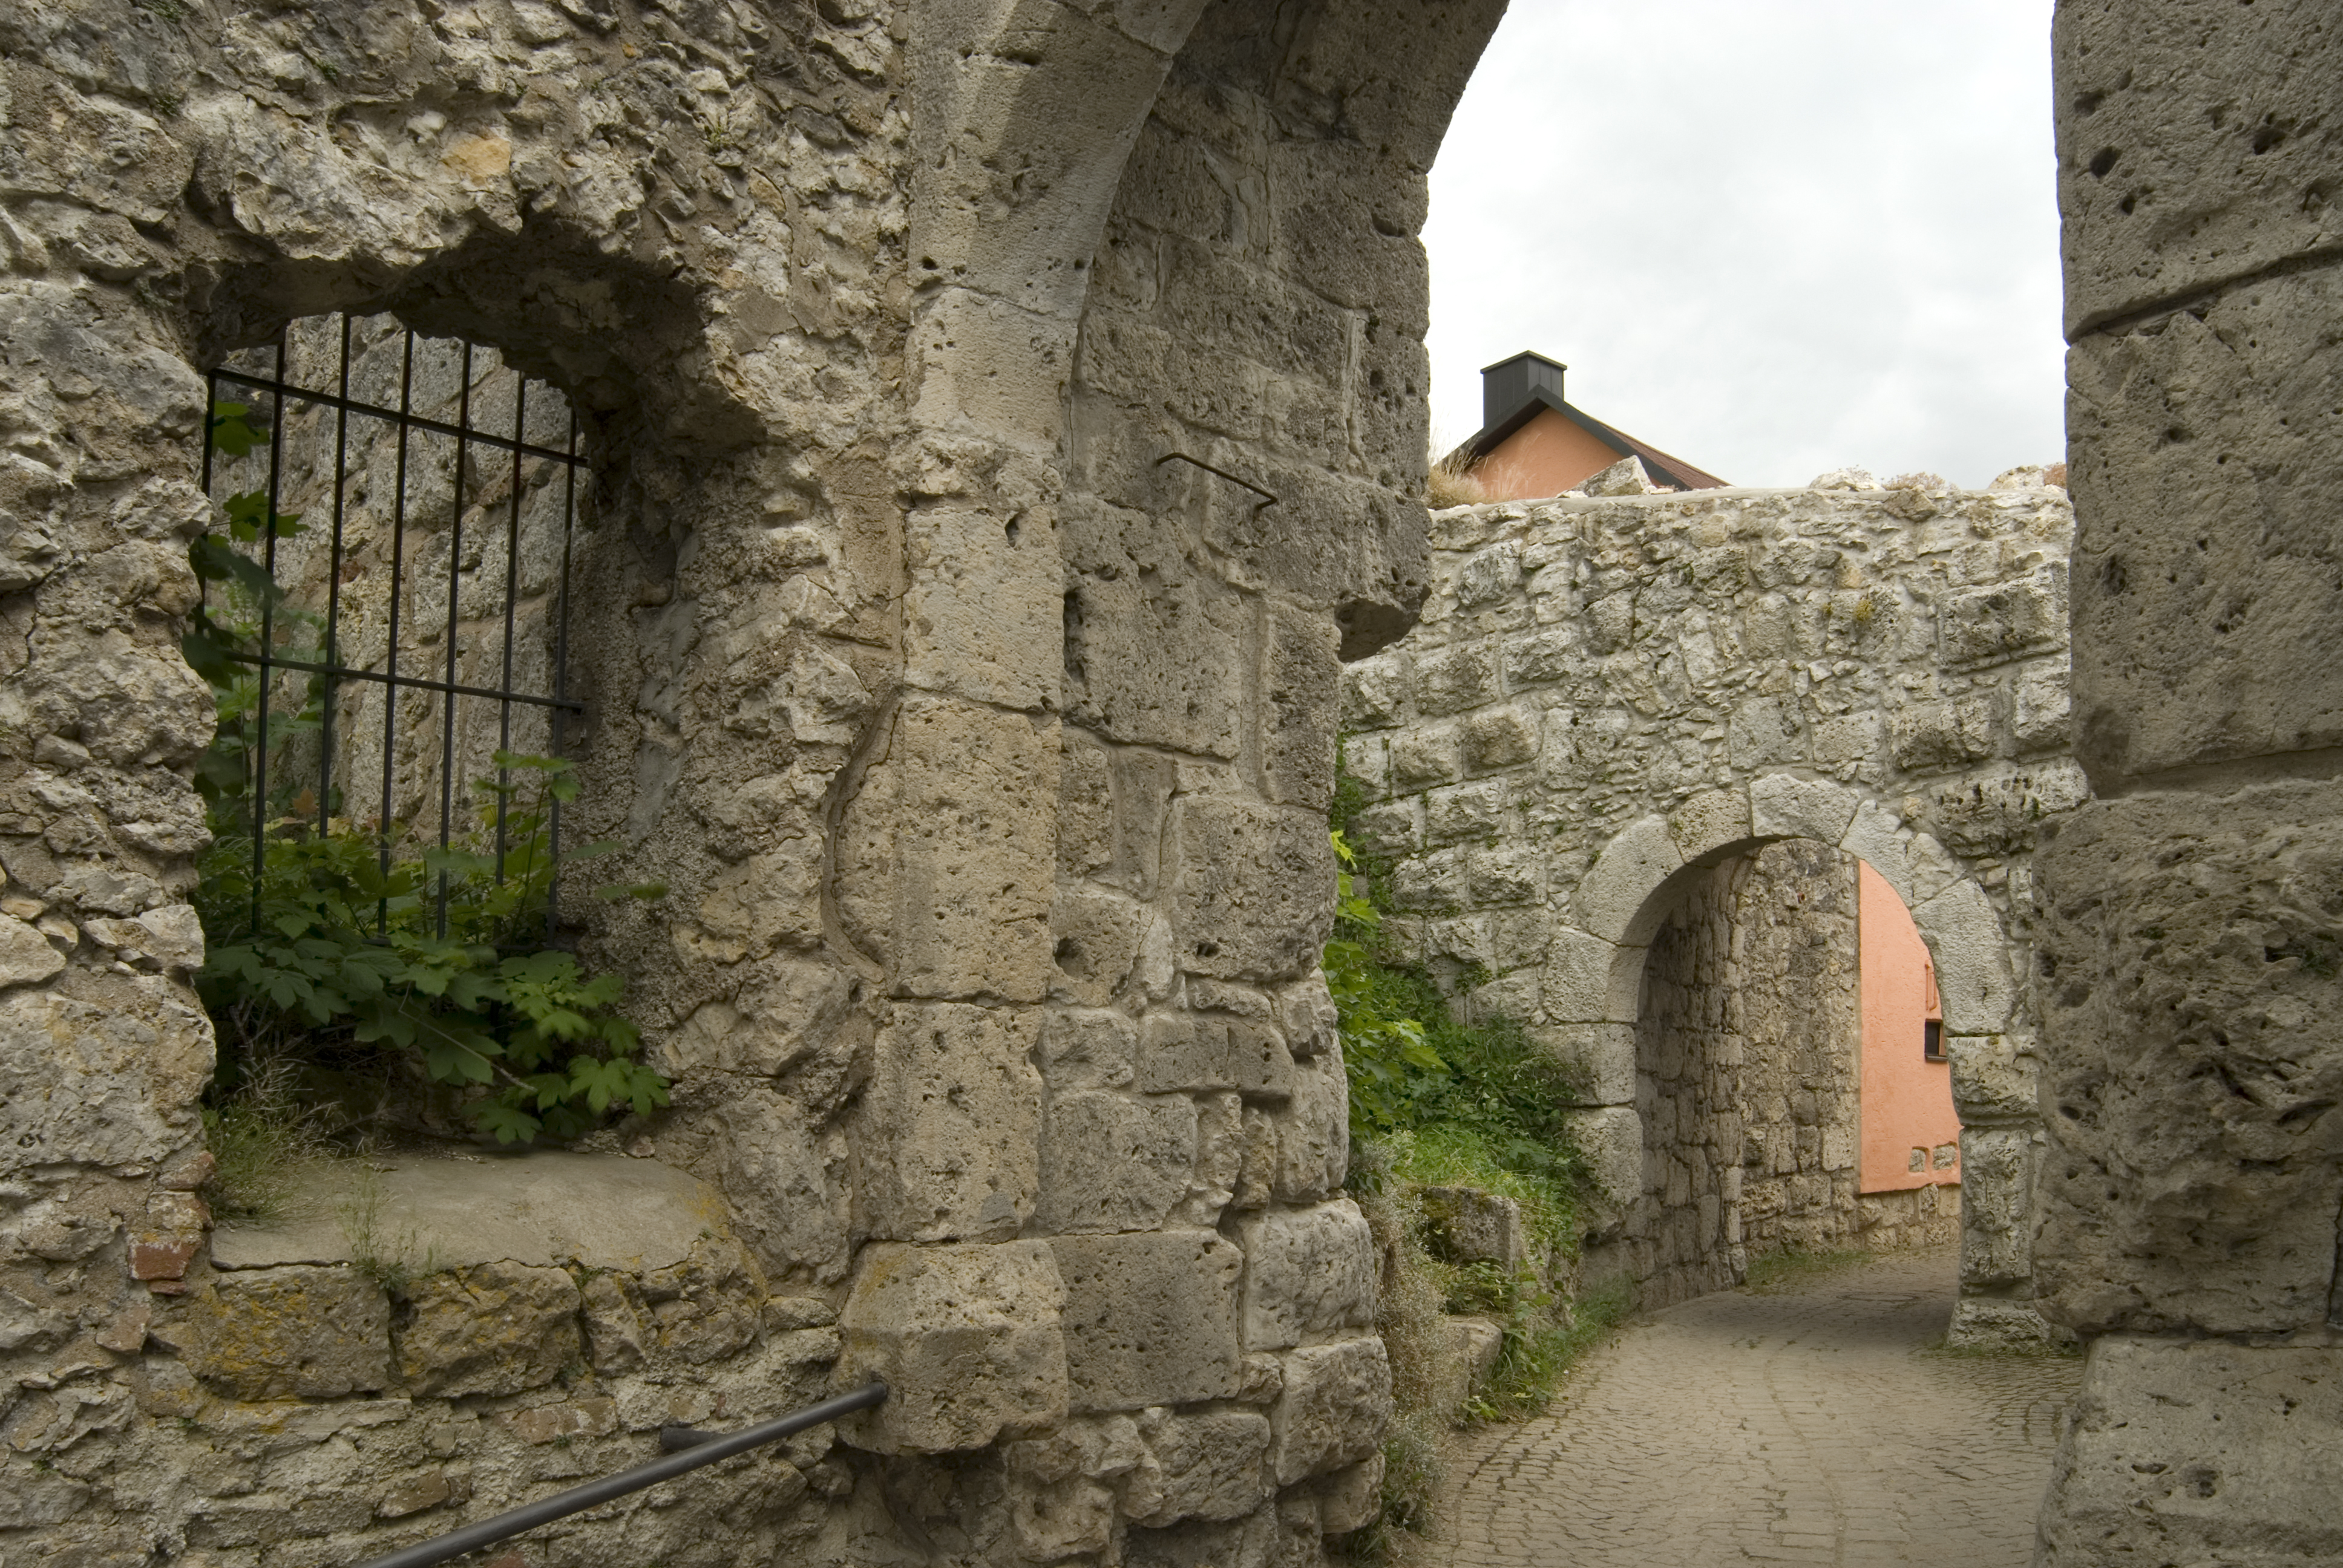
[[445, 473]]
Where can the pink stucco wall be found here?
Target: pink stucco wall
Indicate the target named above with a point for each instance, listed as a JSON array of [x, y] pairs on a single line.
[[1907, 1100], [1543, 457]]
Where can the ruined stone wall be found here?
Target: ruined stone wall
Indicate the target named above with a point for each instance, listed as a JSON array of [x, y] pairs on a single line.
[[2194, 1174], [1609, 695], [998, 1040]]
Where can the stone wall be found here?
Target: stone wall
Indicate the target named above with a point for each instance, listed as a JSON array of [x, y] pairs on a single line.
[[980, 740], [2195, 1167], [1608, 697]]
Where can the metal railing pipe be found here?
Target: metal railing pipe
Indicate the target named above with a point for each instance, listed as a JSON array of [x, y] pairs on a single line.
[[594, 1494]]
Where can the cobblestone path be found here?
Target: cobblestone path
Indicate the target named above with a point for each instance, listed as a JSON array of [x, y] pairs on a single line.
[[1810, 1426]]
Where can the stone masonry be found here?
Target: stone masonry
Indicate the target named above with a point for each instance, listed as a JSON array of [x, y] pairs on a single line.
[[979, 723], [1610, 702], [2192, 910]]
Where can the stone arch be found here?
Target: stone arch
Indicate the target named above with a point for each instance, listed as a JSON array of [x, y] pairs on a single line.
[[1607, 696], [1594, 983]]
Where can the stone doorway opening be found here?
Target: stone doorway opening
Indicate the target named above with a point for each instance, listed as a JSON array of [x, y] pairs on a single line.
[[1784, 1085]]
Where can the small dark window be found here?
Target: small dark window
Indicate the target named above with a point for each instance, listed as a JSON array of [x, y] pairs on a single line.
[[1932, 1039]]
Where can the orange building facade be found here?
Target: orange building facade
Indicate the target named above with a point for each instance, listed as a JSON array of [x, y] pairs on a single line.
[[1911, 1134], [1533, 443]]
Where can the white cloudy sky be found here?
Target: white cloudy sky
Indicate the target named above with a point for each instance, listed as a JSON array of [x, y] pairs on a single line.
[[1772, 237]]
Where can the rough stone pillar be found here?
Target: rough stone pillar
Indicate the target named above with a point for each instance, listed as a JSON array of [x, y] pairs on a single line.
[[2190, 934]]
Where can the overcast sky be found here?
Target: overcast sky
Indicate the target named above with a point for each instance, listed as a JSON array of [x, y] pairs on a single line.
[[1771, 237]]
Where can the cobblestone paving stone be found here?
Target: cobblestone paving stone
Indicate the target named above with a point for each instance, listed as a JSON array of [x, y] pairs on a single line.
[[1811, 1426]]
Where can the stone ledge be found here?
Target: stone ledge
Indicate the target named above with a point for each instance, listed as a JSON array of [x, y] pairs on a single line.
[[536, 1207]]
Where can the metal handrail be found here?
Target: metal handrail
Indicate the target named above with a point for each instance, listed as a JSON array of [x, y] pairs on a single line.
[[706, 1450]]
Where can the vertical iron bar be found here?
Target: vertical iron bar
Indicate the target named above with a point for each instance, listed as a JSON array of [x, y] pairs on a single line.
[[390, 654], [455, 573], [512, 590], [333, 595], [211, 402], [560, 679], [267, 626]]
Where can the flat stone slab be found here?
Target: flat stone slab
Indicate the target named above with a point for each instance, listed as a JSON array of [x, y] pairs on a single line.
[[451, 1211]]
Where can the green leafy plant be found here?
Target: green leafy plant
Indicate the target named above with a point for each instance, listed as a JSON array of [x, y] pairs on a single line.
[[1384, 1048], [317, 931]]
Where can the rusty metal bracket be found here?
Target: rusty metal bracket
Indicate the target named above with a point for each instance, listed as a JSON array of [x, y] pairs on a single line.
[[1267, 499]]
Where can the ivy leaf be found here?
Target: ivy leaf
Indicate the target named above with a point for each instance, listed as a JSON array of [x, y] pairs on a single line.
[[508, 1122], [232, 431]]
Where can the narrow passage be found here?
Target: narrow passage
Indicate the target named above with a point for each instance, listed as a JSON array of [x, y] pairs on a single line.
[[1812, 1426]]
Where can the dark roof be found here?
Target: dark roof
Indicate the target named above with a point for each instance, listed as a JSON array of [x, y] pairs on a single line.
[[1663, 468]]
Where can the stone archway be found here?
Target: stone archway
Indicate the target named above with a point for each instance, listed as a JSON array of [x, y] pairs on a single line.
[[1606, 697], [1593, 992]]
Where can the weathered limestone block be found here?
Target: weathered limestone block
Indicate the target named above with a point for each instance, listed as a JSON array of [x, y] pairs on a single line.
[[1308, 1272], [1998, 1168], [1126, 679], [1611, 1140], [27, 956], [2203, 564], [1619, 885], [285, 1333], [1205, 1465], [943, 864], [1114, 1162], [1252, 888], [1088, 1050], [1313, 1133], [947, 1146], [1302, 676], [1601, 1054], [1351, 1498], [2190, 1181], [2198, 1451], [968, 1339], [1994, 1076], [1784, 806], [782, 1163], [709, 1306], [493, 1328], [611, 1313], [1336, 1402], [2185, 147], [113, 1085], [1150, 1318], [1181, 1052], [1097, 936], [1467, 1225], [983, 615]]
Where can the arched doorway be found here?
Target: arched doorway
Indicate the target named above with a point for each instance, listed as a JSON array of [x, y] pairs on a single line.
[[1781, 1031]]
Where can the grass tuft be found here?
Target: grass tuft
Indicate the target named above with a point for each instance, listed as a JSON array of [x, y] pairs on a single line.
[[269, 1150]]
